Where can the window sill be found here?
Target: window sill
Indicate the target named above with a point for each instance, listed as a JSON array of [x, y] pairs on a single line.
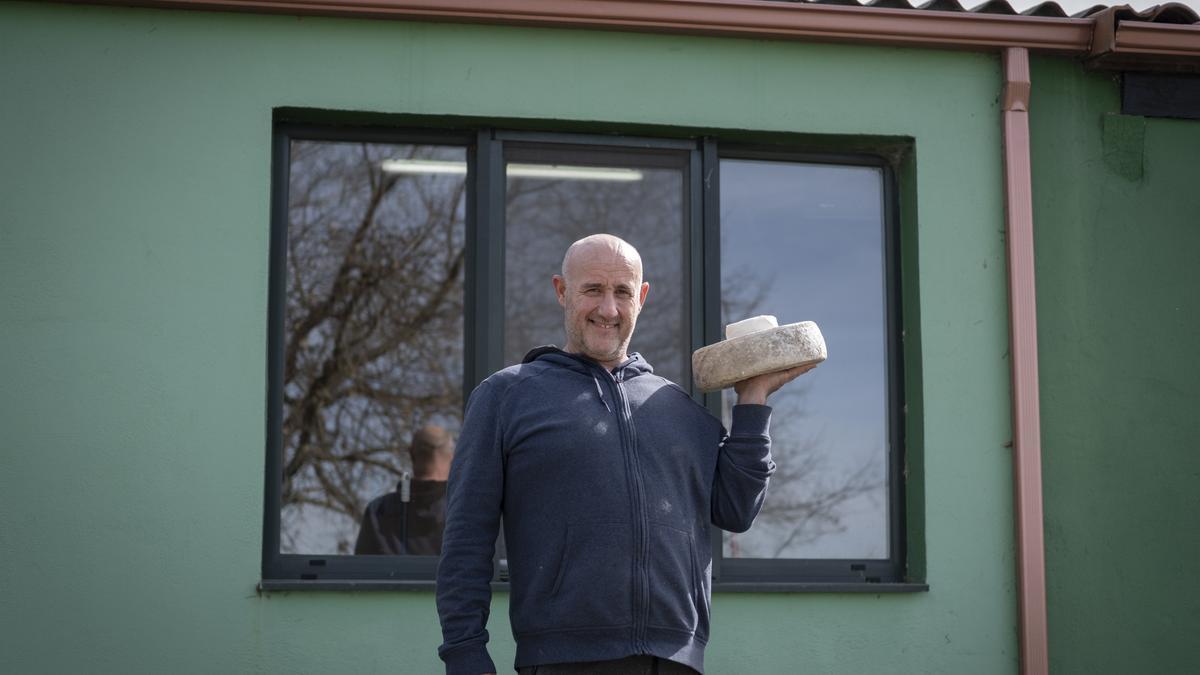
[[816, 587], [278, 585]]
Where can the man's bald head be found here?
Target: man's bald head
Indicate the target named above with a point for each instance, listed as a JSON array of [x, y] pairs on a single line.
[[431, 451], [597, 245], [601, 291]]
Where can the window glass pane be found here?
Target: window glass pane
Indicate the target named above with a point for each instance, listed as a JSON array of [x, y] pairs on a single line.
[[805, 242], [555, 198], [373, 358]]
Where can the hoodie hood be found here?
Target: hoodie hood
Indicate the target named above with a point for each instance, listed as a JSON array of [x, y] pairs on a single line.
[[632, 366]]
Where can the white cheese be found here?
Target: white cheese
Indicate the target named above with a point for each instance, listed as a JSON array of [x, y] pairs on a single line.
[[751, 325]]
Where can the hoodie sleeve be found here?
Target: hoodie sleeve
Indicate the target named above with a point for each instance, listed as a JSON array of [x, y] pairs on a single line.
[[473, 502], [744, 466]]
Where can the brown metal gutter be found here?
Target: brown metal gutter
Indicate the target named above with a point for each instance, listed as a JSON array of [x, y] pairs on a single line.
[[1113, 36], [1139, 45], [1102, 33], [1157, 38], [741, 18], [1022, 305]]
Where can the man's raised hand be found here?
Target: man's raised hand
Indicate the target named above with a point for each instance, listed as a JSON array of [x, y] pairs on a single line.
[[756, 389]]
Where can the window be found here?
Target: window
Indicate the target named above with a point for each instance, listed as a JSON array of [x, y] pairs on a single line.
[[406, 267], [641, 200], [809, 240]]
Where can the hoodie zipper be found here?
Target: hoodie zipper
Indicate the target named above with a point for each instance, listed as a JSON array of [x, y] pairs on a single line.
[[641, 577]]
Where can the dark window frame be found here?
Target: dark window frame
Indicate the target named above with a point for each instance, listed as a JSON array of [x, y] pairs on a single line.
[[752, 574], [484, 317], [345, 569], [654, 153]]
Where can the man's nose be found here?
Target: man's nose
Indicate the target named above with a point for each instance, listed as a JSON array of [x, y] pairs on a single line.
[[608, 306]]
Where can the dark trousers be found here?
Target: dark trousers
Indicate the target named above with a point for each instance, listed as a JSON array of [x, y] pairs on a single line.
[[630, 665]]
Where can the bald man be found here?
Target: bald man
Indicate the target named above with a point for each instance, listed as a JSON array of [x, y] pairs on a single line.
[[607, 477], [409, 521]]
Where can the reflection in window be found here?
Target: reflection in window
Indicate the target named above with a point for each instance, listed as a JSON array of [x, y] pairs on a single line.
[[373, 359], [805, 242], [553, 199]]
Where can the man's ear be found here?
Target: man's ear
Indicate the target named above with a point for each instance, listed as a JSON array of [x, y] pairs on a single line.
[[560, 289], [644, 293]]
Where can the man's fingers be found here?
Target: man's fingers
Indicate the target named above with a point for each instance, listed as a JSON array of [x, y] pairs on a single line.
[[784, 376], [759, 387], [793, 373], [790, 374]]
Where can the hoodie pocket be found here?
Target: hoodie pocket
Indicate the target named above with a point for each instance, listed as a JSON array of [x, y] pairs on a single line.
[[675, 601], [593, 588]]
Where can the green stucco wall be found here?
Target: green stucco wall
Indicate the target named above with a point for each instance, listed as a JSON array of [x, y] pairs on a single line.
[[1117, 217], [133, 286]]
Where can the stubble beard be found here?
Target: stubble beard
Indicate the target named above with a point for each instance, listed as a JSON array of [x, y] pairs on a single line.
[[579, 342]]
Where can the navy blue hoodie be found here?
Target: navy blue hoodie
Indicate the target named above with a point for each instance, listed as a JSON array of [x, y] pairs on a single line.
[[607, 483]]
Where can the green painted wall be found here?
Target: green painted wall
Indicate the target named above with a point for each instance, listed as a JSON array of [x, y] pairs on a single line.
[[133, 268], [1117, 211]]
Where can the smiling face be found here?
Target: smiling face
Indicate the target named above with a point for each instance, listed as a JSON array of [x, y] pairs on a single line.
[[602, 292]]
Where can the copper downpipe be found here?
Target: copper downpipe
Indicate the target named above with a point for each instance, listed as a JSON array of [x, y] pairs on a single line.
[[1022, 304]]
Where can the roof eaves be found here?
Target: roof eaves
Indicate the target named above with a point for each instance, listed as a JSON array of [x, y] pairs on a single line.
[[1170, 31], [1156, 39]]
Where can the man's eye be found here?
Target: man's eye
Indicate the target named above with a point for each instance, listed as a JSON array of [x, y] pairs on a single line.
[[592, 291]]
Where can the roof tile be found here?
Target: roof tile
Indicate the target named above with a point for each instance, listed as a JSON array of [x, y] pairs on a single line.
[[1171, 12]]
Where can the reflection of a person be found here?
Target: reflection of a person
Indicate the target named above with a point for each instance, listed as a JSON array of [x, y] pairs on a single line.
[[409, 521]]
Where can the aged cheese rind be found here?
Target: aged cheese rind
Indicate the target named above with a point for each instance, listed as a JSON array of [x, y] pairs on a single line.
[[721, 365]]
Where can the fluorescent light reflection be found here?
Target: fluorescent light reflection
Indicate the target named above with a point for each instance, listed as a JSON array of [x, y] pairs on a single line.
[[554, 171], [423, 166], [573, 172]]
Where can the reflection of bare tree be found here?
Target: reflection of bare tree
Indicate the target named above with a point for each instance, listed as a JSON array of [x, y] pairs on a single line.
[[373, 341], [808, 500], [743, 292]]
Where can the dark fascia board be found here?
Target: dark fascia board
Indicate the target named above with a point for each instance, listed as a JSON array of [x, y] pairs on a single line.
[[1161, 95]]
